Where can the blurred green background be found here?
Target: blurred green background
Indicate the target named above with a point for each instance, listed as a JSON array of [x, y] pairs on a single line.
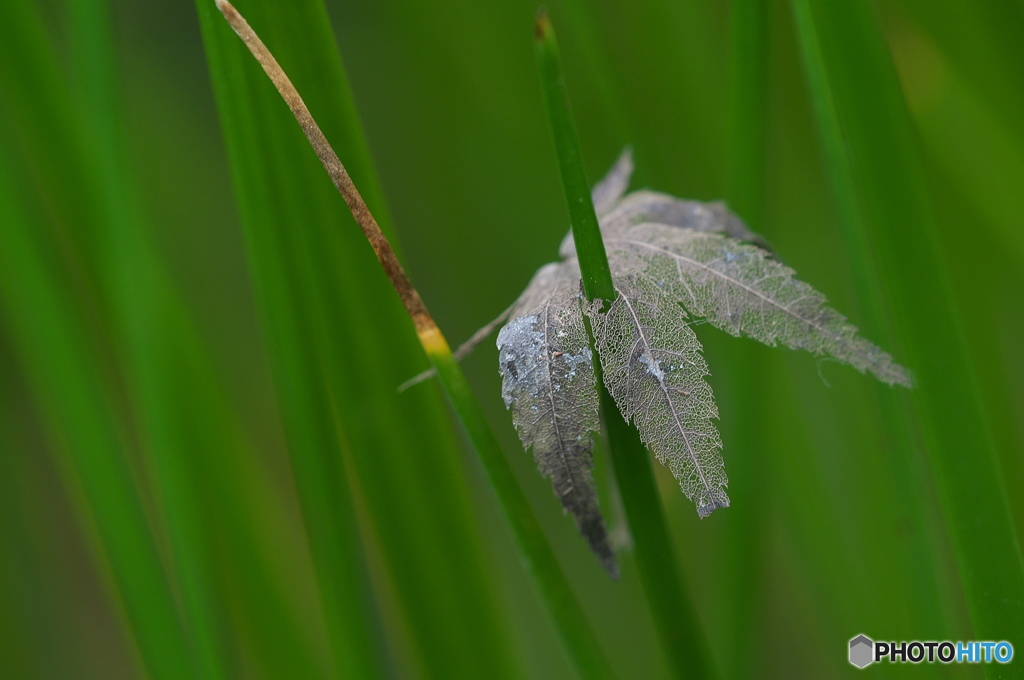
[[206, 470]]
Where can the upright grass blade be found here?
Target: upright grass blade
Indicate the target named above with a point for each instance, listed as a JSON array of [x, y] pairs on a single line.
[[16, 639], [746, 175], [980, 178], [682, 637], [919, 580], [579, 640], [285, 290], [586, 233], [28, 609], [54, 341], [875, 170], [175, 406], [75, 183], [187, 437], [748, 109], [675, 619], [203, 467], [537, 553]]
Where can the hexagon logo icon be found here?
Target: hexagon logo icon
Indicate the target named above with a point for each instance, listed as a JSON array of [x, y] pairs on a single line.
[[862, 651]]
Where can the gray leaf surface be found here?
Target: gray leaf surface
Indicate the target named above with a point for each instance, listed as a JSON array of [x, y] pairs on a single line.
[[654, 370], [548, 382], [674, 263], [652, 206], [741, 289], [612, 186]]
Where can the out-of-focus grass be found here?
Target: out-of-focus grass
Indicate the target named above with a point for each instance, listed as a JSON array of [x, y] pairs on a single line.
[[135, 335], [682, 637], [877, 174], [894, 418], [340, 343], [746, 184]]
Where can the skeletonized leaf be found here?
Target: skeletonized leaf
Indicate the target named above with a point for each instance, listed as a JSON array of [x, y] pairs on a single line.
[[548, 382], [651, 206], [674, 262], [741, 289], [654, 370], [612, 186]]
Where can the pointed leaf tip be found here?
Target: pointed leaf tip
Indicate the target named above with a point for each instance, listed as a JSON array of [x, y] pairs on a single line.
[[654, 370], [675, 263], [548, 382], [542, 24]]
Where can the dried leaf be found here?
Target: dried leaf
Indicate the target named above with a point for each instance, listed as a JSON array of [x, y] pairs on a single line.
[[617, 213], [612, 186], [652, 206], [743, 290], [674, 263], [654, 370], [548, 382]]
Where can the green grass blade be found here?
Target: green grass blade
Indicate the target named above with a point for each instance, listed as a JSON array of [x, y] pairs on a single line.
[[748, 109], [674, 616], [543, 566], [189, 438], [597, 277], [340, 343], [744, 567], [36, 612], [165, 366], [76, 185], [314, 445], [872, 157], [920, 579], [18, 598], [579, 640], [914, 589], [53, 341]]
